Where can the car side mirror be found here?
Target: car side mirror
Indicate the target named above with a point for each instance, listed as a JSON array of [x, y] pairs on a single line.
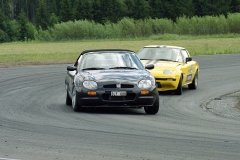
[[71, 68], [149, 66], [188, 59]]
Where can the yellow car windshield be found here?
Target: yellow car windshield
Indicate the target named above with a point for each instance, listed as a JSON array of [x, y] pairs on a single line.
[[164, 54]]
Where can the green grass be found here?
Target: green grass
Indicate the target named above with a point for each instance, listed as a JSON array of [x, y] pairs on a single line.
[[69, 50]]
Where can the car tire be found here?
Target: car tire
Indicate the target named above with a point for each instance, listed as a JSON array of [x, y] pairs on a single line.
[[178, 91], [153, 109], [194, 83], [75, 105], [68, 99]]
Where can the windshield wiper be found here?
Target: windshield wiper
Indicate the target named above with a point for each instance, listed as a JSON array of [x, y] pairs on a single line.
[[122, 68], [164, 60], [145, 59], [93, 68]]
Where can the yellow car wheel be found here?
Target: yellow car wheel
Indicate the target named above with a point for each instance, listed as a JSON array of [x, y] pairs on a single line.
[[194, 83]]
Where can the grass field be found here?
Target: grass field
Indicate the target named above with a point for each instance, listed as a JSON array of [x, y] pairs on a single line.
[[65, 51]]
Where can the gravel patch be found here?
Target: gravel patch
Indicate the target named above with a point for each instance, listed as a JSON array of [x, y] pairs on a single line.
[[227, 105]]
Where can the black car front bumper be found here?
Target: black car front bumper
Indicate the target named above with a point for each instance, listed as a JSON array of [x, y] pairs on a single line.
[[104, 99]]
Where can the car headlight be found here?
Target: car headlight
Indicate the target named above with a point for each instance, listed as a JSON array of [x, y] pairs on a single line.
[[167, 71], [90, 85], [145, 84]]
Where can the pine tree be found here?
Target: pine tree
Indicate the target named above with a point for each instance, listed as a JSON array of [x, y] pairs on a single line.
[[3, 35], [112, 10], [42, 15], [52, 7], [105, 8], [185, 8], [212, 8], [157, 8], [170, 9], [83, 10], [2, 20], [65, 11], [141, 8], [23, 31], [235, 6], [130, 8], [97, 12]]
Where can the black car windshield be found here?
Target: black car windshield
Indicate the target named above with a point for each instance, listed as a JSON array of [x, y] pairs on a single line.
[[101, 60], [161, 54]]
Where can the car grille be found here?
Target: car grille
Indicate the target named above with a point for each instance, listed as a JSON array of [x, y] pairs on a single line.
[[165, 79], [115, 86], [107, 96], [159, 85]]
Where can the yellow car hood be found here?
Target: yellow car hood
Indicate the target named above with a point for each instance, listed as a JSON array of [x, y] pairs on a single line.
[[161, 65]]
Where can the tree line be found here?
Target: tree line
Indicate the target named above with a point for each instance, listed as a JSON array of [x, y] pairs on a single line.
[[20, 19]]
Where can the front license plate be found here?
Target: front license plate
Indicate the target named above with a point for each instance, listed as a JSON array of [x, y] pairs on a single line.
[[119, 93]]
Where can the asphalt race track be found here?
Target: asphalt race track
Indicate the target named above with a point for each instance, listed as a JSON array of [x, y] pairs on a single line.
[[35, 123]]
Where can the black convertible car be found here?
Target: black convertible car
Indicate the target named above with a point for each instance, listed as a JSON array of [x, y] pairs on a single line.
[[111, 78]]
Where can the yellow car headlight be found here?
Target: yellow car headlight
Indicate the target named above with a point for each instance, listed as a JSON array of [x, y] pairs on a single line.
[[167, 71]]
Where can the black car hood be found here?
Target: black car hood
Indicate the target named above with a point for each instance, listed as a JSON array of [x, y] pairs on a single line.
[[103, 75]]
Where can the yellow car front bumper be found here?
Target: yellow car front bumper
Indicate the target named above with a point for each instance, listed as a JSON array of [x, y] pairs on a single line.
[[166, 82]]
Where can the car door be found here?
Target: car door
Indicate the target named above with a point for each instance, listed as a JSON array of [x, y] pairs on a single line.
[[187, 68]]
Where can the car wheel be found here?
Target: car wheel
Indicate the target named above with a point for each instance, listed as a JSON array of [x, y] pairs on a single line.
[[194, 83], [153, 109], [178, 91], [68, 99], [75, 105]]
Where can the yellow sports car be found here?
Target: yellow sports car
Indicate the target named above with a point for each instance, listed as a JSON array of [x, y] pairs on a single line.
[[174, 68]]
